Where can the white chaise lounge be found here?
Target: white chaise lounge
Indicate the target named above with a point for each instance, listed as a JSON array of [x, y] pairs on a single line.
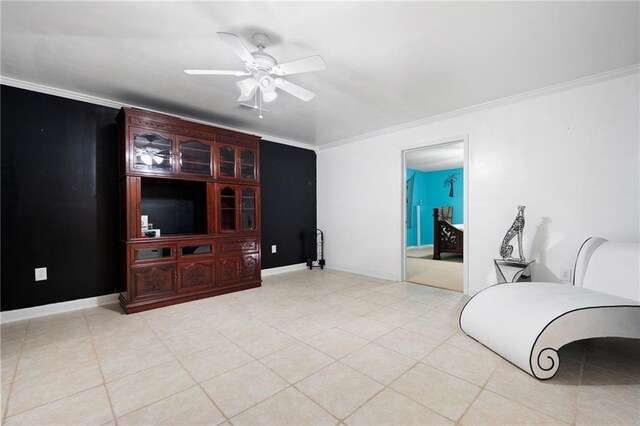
[[526, 323]]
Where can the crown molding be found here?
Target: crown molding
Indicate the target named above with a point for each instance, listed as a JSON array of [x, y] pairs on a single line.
[[48, 90], [548, 90], [110, 103]]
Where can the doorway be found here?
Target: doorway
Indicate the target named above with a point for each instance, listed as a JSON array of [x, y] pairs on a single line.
[[435, 215]]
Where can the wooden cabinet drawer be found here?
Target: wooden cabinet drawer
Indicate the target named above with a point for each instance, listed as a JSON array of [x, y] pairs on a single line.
[[152, 253], [224, 137], [229, 246], [188, 250]]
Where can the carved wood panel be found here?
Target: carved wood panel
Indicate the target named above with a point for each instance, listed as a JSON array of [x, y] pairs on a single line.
[[237, 246], [448, 238], [154, 280], [166, 127], [250, 267], [196, 275], [228, 270]]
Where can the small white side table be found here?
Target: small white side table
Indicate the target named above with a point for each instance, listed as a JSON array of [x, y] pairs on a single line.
[[513, 271]]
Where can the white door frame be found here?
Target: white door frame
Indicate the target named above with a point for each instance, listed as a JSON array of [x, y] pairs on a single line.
[[465, 197]]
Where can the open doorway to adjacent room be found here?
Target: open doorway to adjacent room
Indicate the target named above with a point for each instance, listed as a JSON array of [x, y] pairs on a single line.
[[434, 206]]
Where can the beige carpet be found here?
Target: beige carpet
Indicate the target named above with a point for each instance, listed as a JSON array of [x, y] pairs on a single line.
[[445, 273]]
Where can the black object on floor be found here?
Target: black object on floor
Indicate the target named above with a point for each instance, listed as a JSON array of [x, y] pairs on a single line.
[[320, 248]]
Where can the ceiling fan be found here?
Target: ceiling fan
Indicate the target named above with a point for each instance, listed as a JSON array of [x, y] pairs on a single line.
[[264, 71]]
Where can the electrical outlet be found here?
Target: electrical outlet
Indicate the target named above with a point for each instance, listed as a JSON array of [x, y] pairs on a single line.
[[41, 274], [274, 248], [565, 275]]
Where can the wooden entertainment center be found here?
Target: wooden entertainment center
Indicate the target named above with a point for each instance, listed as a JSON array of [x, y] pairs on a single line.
[[197, 186]]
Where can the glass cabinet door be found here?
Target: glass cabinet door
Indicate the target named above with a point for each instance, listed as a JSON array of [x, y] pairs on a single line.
[[248, 212], [195, 157], [152, 152], [227, 162], [248, 164], [228, 208]]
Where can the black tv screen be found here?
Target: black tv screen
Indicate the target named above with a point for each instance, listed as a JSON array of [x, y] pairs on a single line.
[[175, 207]]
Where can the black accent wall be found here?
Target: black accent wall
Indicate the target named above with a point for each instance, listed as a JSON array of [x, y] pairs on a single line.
[[288, 176], [59, 200]]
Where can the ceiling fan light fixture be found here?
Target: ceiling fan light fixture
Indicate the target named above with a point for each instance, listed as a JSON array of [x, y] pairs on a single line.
[[265, 71], [269, 96], [266, 82], [247, 87]]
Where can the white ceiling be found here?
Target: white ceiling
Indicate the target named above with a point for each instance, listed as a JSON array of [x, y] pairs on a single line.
[[388, 63], [439, 157]]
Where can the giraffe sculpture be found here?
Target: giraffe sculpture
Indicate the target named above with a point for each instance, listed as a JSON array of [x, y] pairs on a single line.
[[516, 230]]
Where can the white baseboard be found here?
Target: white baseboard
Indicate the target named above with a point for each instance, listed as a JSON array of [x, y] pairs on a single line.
[[57, 308], [283, 269], [366, 273], [419, 247]]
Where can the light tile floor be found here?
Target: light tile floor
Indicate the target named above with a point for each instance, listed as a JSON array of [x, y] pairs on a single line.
[[308, 347]]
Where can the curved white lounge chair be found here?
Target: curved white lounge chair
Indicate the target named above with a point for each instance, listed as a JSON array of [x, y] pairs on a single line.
[[526, 323]]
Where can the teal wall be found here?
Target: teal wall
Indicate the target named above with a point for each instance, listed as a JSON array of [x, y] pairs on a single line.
[[428, 188]]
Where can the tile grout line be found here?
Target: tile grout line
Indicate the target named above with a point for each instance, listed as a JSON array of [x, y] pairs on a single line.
[[93, 346], [384, 386], [95, 354], [335, 360], [53, 401], [482, 389], [5, 414], [289, 385], [579, 389], [116, 419], [293, 385], [228, 419], [449, 374], [444, 309], [140, 371], [583, 361], [527, 407], [56, 399], [606, 396]]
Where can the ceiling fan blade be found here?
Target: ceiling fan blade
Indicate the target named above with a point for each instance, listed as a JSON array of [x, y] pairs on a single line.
[[215, 72], [248, 88], [234, 42], [312, 63], [295, 90]]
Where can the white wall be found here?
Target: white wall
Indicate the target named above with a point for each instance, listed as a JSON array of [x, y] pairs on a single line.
[[571, 157]]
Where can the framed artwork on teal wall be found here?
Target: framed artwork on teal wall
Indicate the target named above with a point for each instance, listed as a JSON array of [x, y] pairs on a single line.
[[409, 200]]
